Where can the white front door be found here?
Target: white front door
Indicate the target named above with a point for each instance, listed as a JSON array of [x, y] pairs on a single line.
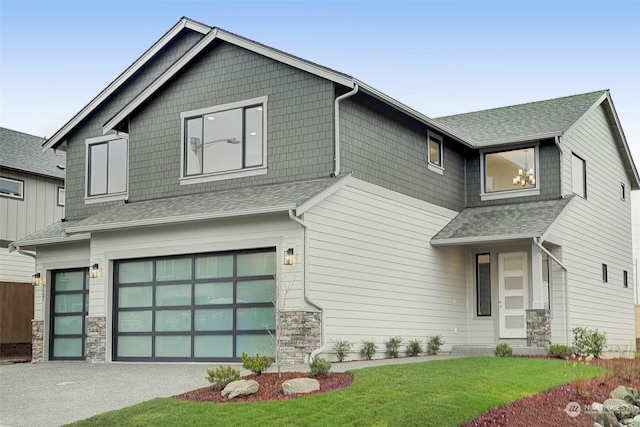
[[513, 284]]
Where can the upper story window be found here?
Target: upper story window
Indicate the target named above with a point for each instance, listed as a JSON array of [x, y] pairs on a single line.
[[13, 188], [60, 196], [511, 173], [579, 176], [435, 152], [107, 167], [224, 142]]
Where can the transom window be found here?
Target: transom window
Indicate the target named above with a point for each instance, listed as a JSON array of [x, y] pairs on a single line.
[[107, 165], [224, 139], [13, 188], [510, 173]]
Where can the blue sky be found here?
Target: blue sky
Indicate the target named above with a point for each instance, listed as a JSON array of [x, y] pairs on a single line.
[[439, 58]]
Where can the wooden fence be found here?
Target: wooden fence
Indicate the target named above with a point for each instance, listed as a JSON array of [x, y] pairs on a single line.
[[16, 312]]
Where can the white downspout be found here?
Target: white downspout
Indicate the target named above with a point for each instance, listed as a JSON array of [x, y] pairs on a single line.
[[561, 153], [21, 252], [538, 243], [336, 128], [305, 279]]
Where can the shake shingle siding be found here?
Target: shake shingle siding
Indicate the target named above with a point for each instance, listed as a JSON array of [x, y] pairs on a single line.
[[389, 150], [75, 187], [299, 122]]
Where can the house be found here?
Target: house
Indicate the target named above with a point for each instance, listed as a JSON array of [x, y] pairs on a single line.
[[31, 197], [216, 178]]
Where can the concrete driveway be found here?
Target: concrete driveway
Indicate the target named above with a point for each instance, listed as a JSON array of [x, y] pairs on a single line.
[[56, 393]]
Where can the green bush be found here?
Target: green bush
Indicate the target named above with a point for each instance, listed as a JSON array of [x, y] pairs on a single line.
[[368, 349], [560, 351], [434, 344], [503, 350], [256, 364], [221, 376], [414, 347], [588, 342], [342, 349], [320, 366], [393, 346]]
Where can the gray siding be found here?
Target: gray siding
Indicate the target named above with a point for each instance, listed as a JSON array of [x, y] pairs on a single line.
[[299, 122], [387, 149], [299, 128], [549, 178], [92, 126]]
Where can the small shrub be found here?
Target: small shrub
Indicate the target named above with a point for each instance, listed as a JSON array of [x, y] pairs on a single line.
[[559, 351], [368, 349], [393, 346], [320, 366], [342, 349], [256, 364], [434, 344], [503, 350], [414, 347], [221, 376], [588, 342], [579, 366]]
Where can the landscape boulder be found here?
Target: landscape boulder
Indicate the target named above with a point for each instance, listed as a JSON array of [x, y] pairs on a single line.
[[240, 388], [300, 385]]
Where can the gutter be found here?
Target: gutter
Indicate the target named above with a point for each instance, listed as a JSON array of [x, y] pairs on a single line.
[[336, 129], [305, 280], [538, 242]]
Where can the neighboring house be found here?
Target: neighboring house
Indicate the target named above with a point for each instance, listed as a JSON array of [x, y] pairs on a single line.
[[635, 209], [215, 170], [31, 197]]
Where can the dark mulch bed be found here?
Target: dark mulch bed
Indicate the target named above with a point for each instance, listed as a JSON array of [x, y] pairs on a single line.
[[270, 387]]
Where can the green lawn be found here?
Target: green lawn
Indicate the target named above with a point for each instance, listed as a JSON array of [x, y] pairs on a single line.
[[439, 393]]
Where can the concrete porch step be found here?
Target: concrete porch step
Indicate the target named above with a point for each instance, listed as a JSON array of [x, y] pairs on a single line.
[[475, 350]]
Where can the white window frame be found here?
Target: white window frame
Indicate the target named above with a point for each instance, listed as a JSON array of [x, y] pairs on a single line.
[[584, 194], [60, 191], [510, 194], [13, 196], [224, 175], [434, 167], [124, 195]]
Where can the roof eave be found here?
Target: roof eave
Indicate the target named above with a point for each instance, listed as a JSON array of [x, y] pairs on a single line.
[[458, 241], [63, 238], [175, 220], [61, 134]]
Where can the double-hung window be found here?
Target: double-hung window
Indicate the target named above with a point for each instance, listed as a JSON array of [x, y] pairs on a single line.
[[510, 173], [107, 167], [225, 141]]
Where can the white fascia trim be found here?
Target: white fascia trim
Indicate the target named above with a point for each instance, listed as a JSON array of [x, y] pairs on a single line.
[[174, 220], [480, 239], [196, 26], [119, 81], [587, 113], [286, 59], [415, 114], [308, 204], [54, 240], [521, 139], [159, 82]]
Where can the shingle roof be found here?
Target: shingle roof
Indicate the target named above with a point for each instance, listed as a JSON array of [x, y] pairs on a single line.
[[219, 204], [54, 233], [504, 222], [534, 120], [23, 152]]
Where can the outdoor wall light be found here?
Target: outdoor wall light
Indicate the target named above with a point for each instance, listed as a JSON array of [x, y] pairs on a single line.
[[288, 257], [36, 280], [94, 271]]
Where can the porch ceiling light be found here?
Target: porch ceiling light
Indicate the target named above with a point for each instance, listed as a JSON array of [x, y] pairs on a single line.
[[288, 257], [94, 271]]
